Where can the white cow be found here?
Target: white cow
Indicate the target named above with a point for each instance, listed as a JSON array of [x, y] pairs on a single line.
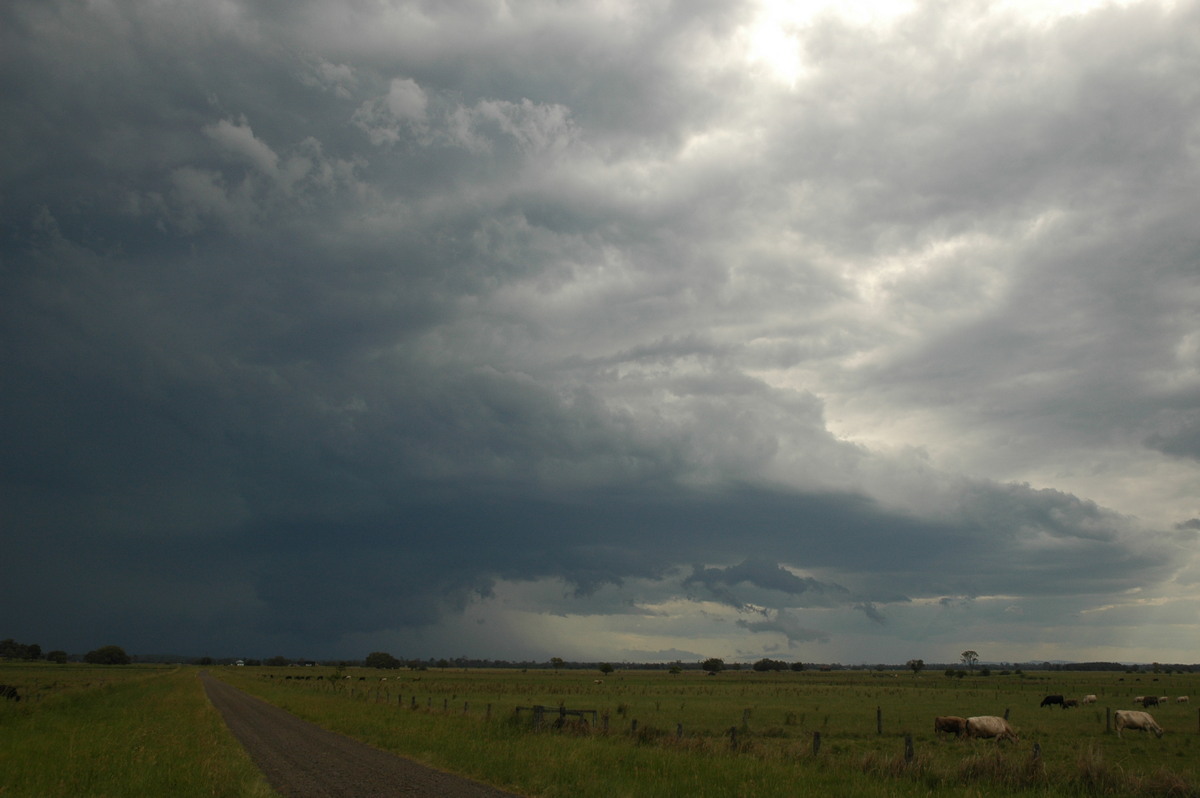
[[988, 726], [1181, 699], [1139, 721], [1089, 699]]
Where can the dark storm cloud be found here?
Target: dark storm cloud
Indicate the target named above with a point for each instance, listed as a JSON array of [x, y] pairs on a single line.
[[324, 322]]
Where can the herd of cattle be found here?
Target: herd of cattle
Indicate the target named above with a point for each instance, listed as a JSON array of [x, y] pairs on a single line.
[[992, 726]]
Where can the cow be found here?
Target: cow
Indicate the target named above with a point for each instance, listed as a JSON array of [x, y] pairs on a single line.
[[988, 726], [1089, 699], [1051, 700], [1181, 699], [1135, 719], [1149, 701], [1070, 703], [9, 692], [950, 724]]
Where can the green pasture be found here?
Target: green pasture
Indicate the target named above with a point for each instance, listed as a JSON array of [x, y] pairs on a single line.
[[140, 730], [137, 731], [750, 733]]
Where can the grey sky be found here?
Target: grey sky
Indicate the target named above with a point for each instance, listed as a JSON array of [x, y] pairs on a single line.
[[625, 331]]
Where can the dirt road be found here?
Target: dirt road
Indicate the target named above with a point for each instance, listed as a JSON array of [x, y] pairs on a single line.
[[301, 760]]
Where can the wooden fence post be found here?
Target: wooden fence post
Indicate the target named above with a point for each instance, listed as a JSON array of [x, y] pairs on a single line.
[[816, 743], [908, 748], [879, 720], [733, 737]]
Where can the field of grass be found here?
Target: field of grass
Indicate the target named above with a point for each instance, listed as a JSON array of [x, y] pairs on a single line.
[[137, 731], [752, 734]]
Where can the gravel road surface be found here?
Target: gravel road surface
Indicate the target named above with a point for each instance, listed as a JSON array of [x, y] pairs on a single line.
[[302, 760]]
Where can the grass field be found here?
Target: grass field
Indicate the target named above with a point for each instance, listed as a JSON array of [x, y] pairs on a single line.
[[138, 730], [748, 733]]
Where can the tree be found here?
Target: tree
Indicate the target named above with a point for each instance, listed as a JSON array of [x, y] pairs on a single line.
[[557, 662], [11, 649], [56, 656], [381, 659], [277, 661], [606, 668], [107, 655], [916, 665], [766, 664], [713, 665], [969, 658]]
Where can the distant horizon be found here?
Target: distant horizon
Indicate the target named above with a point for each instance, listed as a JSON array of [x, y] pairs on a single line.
[[585, 663]]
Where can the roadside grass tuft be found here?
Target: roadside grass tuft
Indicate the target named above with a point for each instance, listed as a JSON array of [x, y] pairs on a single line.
[[138, 732]]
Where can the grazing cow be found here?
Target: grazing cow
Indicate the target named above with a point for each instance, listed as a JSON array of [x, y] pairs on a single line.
[[1164, 699], [1181, 700], [1070, 703], [1134, 719], [1149, 701], [9, 692], [988, 726], [950, 724], [1051, 700], [1089, 699]]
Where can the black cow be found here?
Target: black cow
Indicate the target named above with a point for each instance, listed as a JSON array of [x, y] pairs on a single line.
[[1051, 700], [1150, 701], [9, 692]]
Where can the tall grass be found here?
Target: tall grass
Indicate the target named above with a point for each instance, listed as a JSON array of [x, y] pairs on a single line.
[[130, 731]]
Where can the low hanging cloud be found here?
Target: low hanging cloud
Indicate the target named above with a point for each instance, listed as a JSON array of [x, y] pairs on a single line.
[[753, 576], [755, 326]]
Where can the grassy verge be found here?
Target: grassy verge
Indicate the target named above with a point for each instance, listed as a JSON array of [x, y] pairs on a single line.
[[131, 732]]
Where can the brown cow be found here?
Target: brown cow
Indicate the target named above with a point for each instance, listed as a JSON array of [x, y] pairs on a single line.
[[950, 724]]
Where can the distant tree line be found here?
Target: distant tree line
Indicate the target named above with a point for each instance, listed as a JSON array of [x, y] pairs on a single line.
[[11, 649]]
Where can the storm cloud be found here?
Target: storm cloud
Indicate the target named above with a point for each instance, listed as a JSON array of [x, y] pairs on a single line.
[[626, 331]]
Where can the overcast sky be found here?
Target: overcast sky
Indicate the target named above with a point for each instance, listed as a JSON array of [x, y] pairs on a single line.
[[623, 330]]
